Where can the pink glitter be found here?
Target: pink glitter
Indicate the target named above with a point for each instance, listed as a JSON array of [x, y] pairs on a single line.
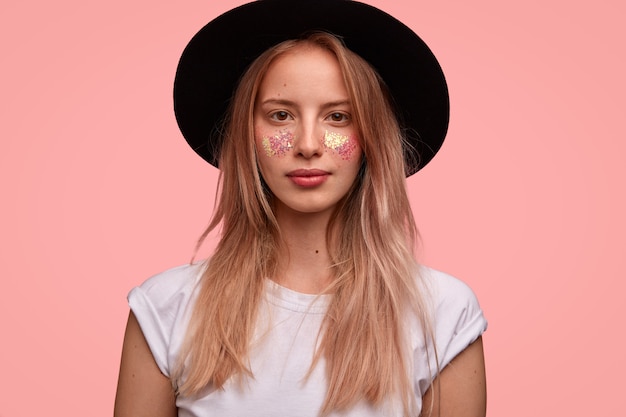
[[279, 144]]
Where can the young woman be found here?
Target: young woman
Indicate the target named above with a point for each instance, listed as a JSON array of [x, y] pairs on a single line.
[[312, 303]]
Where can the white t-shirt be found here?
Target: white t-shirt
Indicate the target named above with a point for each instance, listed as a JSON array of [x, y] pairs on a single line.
[[284, 343]]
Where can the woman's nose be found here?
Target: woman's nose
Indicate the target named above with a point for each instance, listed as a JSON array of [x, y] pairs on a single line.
[[308, 141]]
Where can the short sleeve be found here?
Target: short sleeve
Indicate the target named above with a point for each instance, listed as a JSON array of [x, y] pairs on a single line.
[[161, 305], [457, 321]]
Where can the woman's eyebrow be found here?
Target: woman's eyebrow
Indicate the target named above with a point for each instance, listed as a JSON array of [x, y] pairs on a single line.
[[277, 101], [338, 103], [284, 102]]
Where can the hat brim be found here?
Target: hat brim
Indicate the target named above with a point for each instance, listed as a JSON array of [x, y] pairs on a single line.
[[215, 58]]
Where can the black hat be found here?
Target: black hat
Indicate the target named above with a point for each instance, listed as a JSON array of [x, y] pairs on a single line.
[[220, 52]]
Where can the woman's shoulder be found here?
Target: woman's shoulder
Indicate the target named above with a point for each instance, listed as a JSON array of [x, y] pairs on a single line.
[[174, 280], [169, 289], [446, 290]]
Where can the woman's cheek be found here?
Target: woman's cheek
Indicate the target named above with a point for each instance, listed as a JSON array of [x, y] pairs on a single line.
[[343, 145], [278, 144]]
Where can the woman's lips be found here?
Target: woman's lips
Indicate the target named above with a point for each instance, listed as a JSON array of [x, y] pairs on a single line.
[[308, 177]]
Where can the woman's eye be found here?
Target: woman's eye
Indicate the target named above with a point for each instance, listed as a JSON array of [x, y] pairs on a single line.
[[280, 116], [338, 117]]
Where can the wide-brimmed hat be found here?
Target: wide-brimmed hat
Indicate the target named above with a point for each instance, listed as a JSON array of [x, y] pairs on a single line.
[[216, 57]]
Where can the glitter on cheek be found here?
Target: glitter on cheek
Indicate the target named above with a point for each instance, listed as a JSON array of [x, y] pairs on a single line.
[[279, 144], [342, 144]]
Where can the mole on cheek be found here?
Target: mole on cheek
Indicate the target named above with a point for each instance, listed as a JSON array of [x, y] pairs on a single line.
[[344, 145], [279, 144]]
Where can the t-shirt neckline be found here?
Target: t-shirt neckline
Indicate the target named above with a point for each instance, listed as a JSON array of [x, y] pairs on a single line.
[[296, 301]]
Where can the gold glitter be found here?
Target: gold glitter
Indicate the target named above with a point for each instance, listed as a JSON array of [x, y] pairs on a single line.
[[342, 144], [334, 140]]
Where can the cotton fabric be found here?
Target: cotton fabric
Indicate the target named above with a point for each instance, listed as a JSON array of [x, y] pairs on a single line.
[[285, 340]]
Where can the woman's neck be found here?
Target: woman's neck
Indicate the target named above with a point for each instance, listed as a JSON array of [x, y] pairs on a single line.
[[304, 262]]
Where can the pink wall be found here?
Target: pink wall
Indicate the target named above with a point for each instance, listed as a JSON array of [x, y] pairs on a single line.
[[525, 202]]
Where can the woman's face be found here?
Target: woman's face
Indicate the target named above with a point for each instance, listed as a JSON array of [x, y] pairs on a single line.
[[306, 141]]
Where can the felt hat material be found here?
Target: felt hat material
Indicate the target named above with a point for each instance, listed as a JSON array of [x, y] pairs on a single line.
[[220, 52]]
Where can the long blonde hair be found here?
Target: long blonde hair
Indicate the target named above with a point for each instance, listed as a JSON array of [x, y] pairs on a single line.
[[372, 235]]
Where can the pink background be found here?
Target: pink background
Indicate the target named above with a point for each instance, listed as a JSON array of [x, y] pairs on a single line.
[[525, 202]]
